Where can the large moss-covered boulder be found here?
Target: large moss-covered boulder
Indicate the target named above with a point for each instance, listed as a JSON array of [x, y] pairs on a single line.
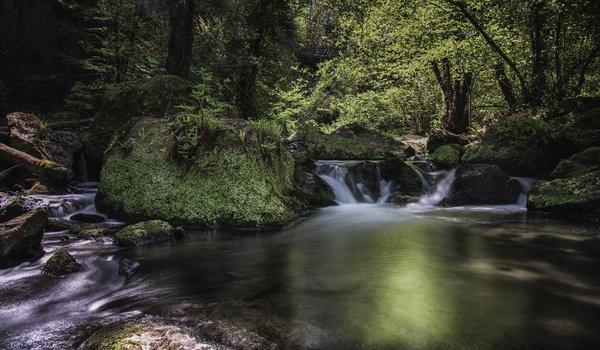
[[578, 164], [447, 156], [20, 238], [578, 131], [483, 184], [144, 233], [440, 137], [61, 263], [32, 136], [156, 97], [349, 142], [236, 181], [574, 195], [520, 145]]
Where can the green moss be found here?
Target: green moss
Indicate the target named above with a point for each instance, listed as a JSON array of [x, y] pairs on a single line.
[[580, 163], [579, 130], [61, 263], [349, 142], [447, 156], [575, 194], [37, 188], [145, 232], [229, 185], [92, 232], [440, 137], [518, 144]]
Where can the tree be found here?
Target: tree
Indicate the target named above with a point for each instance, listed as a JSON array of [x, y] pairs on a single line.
[[181, 15]]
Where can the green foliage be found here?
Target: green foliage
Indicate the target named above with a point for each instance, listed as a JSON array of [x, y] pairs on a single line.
[[81, 100]]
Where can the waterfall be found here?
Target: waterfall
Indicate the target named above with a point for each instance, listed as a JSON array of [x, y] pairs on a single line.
[[441, 190], [355, 182], [527, 184]]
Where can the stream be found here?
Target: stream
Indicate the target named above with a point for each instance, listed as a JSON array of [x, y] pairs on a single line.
[[359, 275]]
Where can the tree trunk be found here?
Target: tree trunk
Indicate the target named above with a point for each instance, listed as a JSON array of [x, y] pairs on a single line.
[[249, 74], [457, 95], [179, 59], [539, 84], [558, 64], [33, 164], [506, 86]]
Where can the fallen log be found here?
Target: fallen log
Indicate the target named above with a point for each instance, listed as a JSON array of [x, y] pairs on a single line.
[[37, 166]]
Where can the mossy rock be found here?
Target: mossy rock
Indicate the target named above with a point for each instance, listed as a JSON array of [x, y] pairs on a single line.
[[520, 145], [349, 142], [404, 178], [234, 185], [156, 97], [578, 131], [37, 189], [61, 263], [574, 195], [578, 164], [440, 137], [447, 156], [483, 184], [144, 233], [93, 232]]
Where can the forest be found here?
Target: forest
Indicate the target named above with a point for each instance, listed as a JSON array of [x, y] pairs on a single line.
[[299, 174]]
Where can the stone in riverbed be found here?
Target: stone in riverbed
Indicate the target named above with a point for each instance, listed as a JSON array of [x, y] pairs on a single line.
[[574, 195], [128, 267], [20, 238], [483, 184], [447, 156], [145, 233], [93, 232], [60, 264], [88, 218], [578, 164]]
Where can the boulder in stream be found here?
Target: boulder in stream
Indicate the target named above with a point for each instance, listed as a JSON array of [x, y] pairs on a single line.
[[61, 263], [20, 238], [447, 156], [518, 144], [144, 233], [578, 164], [578, 195], [483, 184]]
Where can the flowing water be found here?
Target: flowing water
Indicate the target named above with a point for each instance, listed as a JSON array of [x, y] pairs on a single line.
[[360, 275]]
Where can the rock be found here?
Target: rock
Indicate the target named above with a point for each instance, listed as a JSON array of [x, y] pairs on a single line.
[[483, 184], [127, 267], [30, 135], [578, 131], [579, 194], [440, 137], [417, 143], [349, 142], [447, 156], [310, 190], [145, 233], [156, 97], [520, 145], [20, 238], [157, 334], [239, 184], [404, 178], [57, 224], [88, 218], [93, 232], [578, 164], [401, 199], [14, 206], [77, 229], [61, 263]]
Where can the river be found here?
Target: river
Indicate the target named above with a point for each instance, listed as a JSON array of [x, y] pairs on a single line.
[[351, 276]]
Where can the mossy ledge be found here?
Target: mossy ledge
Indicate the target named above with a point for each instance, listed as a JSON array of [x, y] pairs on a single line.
[[236, 184]]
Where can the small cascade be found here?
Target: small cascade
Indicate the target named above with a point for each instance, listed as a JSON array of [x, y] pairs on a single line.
[[527, 183], [63, 206], [355, 182], [80, 167], [442, 188]]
